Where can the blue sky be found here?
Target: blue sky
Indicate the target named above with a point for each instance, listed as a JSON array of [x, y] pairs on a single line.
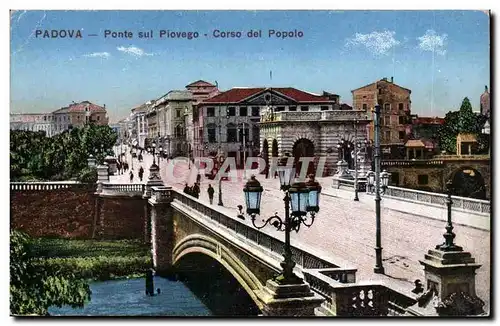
[[442, 56]]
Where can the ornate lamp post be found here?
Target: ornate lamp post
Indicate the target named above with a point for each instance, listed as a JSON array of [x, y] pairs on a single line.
[[303, 200], [221, 161], [449, 236], [379, 269]]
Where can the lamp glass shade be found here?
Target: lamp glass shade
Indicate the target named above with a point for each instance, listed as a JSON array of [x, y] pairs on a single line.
[[154, 145], [253, 192], [385, 178], [285, 174], [370, 177], [299, 198], [160, 149], [314, 193]]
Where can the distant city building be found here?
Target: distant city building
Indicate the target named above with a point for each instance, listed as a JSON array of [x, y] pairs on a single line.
[[33, 122], [484, 101], [395, 118], [171, 111], [73, 116], [138, 125]]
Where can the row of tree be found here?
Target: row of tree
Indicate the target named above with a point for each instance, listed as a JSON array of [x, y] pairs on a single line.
[[34, 156], [463, 121]]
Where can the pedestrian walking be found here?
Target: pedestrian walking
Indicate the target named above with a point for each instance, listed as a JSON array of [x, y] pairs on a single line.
[[131, 176], [187, 190], [196, 190], [211, 192], [198, 178], [141, 173], [125, 167], [119, 167]]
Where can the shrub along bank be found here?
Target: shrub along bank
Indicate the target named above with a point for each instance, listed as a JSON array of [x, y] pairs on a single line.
[[92, 259]]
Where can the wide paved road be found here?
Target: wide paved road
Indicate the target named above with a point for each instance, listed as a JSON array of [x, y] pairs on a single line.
[[346, 229]]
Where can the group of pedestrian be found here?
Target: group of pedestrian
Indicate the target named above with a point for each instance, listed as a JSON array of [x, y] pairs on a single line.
[[193, 190], [140, 174], [122, 167]]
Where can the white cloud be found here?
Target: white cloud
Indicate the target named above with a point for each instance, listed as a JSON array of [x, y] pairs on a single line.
[[98, 54], [132, 50], [433, 42], [378, 43]]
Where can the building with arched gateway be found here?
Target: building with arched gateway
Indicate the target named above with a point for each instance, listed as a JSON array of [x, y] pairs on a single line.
[[313, 131]]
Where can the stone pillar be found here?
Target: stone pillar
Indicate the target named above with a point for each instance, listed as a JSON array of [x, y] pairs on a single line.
[[153, 181], [288, 300], [162, 229], [102, 173], [450, 281]]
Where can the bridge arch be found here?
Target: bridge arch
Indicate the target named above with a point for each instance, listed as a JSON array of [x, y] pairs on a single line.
[[204, 245], [468, 182]]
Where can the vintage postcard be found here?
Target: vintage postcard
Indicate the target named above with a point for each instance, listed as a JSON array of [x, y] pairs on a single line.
[[250, 163]]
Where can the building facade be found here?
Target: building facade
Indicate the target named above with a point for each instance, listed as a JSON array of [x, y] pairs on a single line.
[[33, 122], [172, 109], [395, 118], [246, 122], [138, 125], [484, 102]]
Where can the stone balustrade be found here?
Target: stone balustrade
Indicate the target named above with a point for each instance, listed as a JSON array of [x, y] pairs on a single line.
[[356, 299], [335, 115], [302, 256], [462, 203], [47, 186], [137, 188]]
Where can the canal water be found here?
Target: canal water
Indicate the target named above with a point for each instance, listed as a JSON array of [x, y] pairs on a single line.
[[128, 298]]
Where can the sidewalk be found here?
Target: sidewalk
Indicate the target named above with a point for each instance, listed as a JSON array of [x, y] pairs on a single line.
[[477, 221]]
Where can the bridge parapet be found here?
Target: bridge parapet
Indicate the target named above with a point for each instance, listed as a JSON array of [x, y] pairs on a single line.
[[132, 189], [302, 255], [44, 186], [356, 299]]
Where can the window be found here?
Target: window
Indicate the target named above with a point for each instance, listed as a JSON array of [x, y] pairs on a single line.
[[231, 111], [78, 117], [178, 113], [210, 112], [387, 120], [200, 134], [44, 118], [292, 108], [400, 106], [324, 107], [304, 108], [243, 111], [240, 134], [387, 106], [423, 179], [255, 111], [255, 135], [98, 117], [279, 109], [387, 135], [179, 131], [402, 135], [231, 133], [401, 120], [365, 106]]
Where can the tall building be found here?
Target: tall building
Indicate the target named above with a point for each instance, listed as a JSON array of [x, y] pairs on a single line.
[[395, 118], [172, 109], [484, 101]]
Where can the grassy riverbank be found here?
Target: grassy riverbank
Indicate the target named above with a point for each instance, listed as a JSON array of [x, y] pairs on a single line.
[[94, 259]]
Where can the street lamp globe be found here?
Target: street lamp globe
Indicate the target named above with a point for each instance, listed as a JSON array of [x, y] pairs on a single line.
[[154, 145], [285, 173], [370, 178], [299, 197], [160, 149], [385, 178], [253, 192], [314, 193]]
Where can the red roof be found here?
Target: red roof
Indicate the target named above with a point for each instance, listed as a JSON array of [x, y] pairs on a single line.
[[236, 95], [81, 107], [200, 83], [429, 121]]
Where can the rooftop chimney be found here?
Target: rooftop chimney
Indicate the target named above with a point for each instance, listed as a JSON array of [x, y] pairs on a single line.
[[486, 88], [392, 79]]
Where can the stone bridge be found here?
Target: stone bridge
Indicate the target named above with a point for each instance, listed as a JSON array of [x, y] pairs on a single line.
[[182, 227], [182, 230]]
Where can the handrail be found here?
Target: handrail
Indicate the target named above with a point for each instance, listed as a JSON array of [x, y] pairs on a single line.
[[49, 186]]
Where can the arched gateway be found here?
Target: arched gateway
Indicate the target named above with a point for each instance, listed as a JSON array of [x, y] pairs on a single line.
[[303, 148]]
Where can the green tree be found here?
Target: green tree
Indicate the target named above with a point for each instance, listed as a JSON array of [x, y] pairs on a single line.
[[35, 287], [462, 121]]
